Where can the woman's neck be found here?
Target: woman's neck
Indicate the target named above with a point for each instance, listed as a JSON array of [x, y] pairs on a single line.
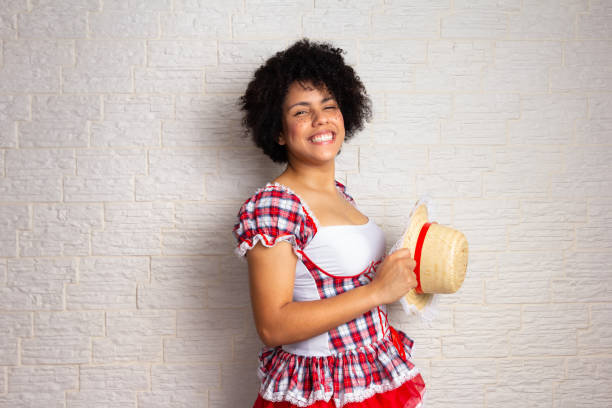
[[313, 178]]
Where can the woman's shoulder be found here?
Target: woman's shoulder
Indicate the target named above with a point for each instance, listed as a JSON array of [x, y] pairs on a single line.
[[274, 203], [279, 200], [273, 195], [273, 213]]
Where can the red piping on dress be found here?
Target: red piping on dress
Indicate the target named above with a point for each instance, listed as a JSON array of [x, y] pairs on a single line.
[[338, 276]]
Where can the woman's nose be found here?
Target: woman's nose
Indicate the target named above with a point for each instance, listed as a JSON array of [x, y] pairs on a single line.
[[320, 117]]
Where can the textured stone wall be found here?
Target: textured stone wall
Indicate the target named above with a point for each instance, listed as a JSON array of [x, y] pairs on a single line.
[[122, 167]]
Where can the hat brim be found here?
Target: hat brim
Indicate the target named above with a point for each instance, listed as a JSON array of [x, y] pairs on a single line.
[[419, 300], [418, 217]]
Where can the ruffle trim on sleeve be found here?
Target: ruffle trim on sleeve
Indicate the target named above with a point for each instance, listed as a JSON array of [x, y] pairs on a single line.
[[245, 231], [274, 213], [352, 376], [268, 242]]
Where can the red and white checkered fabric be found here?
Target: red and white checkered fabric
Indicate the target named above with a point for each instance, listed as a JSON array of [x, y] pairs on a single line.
[[271, 215], [363, 360]]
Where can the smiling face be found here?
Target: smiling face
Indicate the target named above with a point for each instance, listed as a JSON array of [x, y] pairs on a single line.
[[313, 127]]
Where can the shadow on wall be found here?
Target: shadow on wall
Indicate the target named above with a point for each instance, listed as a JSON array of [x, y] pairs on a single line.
[[226, 323]]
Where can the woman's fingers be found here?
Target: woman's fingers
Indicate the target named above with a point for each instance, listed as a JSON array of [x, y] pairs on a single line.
[[396, 276], [402, 252]]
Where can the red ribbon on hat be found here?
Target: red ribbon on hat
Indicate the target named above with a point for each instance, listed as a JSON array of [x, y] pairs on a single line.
[[417, 255]]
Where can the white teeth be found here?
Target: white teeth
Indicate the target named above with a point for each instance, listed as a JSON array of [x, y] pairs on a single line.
[[322, 138]]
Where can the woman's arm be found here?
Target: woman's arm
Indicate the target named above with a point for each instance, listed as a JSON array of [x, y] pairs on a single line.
[[280, 320]]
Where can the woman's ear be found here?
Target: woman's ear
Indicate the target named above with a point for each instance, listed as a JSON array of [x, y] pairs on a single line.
[[281, 139]]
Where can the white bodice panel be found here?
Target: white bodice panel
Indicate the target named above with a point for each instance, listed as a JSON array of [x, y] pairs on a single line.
[[339, 250]]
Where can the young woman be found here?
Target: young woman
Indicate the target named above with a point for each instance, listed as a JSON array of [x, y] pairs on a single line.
[[319, 278]]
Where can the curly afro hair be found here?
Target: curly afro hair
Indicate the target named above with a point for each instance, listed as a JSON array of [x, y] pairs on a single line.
[[319, 63]]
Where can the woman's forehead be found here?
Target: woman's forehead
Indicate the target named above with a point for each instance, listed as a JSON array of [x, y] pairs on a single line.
[[306, 89]]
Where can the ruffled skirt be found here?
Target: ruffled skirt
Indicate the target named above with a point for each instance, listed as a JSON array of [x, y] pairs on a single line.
[[375, 376], [407, 395]]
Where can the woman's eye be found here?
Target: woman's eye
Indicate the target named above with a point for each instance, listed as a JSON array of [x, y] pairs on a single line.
[[299, 113], [331, 107]]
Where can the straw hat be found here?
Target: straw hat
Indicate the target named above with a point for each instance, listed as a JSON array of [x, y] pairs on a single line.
[[441, 254]]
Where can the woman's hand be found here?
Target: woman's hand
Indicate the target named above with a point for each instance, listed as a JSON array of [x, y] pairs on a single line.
[[395, 276]]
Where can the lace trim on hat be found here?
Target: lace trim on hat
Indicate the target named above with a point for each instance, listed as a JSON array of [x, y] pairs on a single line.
[[430, 311]]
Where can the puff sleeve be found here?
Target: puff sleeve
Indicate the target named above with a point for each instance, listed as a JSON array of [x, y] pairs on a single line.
[[273, 215]]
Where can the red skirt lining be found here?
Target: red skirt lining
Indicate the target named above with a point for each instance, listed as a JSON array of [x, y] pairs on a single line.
[[407, 395]]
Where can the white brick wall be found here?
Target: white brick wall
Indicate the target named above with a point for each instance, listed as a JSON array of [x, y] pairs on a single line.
[[122, 167]]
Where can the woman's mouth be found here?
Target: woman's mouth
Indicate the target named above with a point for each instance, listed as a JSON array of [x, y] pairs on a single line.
[[322, 138]]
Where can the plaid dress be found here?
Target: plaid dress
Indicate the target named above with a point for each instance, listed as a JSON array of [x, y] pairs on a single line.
[[367, 357]]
